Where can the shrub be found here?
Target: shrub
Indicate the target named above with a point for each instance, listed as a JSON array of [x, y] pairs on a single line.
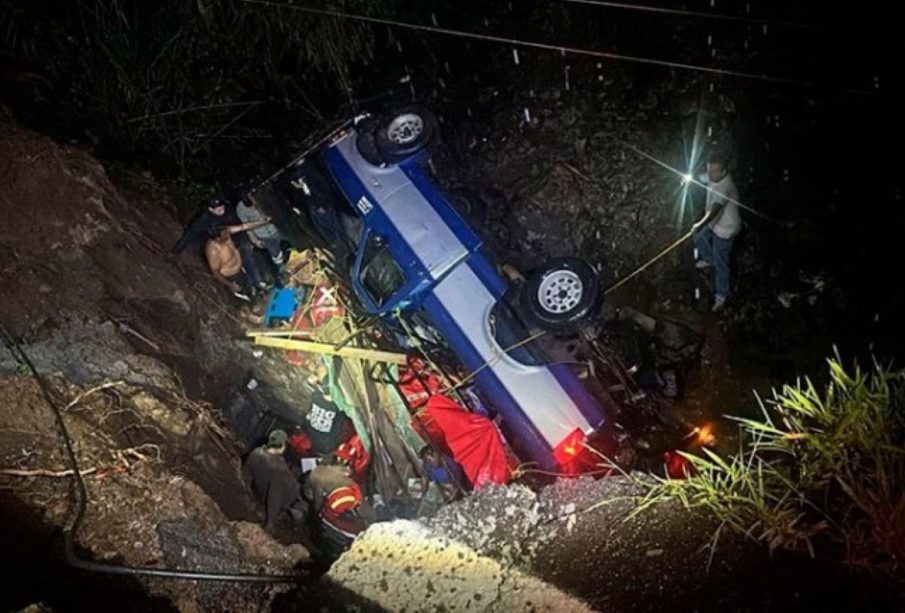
[[824, 470]]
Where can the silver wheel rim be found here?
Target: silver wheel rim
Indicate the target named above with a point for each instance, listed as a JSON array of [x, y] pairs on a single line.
[[404, 129], [560, 292]]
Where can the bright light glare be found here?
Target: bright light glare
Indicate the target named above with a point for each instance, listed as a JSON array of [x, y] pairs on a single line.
[[687, 178]]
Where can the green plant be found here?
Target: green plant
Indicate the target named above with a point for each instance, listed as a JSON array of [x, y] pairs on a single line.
[[178, 82], [823, 468]]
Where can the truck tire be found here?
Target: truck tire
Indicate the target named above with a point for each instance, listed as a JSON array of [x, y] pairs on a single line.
[[405, 132], [562, 294]]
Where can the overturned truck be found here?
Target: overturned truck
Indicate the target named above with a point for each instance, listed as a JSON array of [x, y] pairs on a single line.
[[418, 271]]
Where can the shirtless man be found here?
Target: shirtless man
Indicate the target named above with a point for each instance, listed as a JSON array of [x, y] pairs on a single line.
[[224, 259]]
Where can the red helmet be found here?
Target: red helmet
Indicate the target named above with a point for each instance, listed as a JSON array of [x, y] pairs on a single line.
[[343, 499]]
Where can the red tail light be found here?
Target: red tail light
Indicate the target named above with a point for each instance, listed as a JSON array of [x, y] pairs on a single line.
[[569, 448]]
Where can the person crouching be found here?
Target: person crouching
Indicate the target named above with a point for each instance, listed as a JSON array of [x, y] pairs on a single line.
[[342, 510]]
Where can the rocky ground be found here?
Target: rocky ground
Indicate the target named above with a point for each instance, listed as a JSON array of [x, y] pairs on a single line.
[[580, 536]]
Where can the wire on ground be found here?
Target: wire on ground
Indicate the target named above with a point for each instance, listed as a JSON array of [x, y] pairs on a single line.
[[69, 535]]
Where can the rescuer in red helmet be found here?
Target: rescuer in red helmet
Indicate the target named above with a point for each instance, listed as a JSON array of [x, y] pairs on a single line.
[[340, 506]]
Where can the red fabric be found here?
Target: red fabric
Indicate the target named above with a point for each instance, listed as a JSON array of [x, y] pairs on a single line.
[[471, 439], [353, 453], [325, 305], [677, 466], [418, 383], [300, 444]]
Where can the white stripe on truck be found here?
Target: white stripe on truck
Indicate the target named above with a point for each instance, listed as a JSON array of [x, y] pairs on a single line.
[[464, 295]]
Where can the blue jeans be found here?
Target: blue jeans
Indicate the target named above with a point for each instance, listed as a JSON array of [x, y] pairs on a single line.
[[715, 250]]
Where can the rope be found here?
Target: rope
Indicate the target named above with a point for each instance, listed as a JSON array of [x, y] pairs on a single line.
[[654, 259], [496, 358], [518, 472]]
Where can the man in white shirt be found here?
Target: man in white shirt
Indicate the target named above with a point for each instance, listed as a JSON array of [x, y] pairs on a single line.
[[713, 243]]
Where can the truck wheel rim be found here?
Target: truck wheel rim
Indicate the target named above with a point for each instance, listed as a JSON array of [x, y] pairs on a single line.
[[404, 129], [560, 292]]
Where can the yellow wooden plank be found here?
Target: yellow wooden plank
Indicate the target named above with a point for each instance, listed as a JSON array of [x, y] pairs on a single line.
[[348, 352], [278, 332]]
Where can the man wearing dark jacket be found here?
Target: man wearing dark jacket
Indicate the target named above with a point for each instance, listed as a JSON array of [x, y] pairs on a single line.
[[219, 214], [268, 476]]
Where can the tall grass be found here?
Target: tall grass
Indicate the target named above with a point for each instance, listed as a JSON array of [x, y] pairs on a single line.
[[822, 471], [177, 80]]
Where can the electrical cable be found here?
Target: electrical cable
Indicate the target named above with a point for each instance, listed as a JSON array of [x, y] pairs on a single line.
[[716, 16], [68, 538], [566, 49]]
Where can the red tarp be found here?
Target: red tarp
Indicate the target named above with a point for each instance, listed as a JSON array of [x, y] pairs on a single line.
[[471, 439], [417, 383]]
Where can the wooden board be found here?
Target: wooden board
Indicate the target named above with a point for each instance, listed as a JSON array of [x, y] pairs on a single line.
[[323, 348]]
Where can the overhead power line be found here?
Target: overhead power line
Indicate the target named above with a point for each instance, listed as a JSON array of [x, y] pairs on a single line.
[[563, 48], [714, 16]]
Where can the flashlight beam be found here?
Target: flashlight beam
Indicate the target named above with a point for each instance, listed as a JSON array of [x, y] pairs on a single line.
[[689, 178]]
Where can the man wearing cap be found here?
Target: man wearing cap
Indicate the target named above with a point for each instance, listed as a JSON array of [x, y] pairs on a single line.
[[269, 478], [220, 214], [217, 214]]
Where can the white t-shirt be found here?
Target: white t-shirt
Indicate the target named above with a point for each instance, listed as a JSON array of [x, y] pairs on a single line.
[[724, 192], [248, 214]]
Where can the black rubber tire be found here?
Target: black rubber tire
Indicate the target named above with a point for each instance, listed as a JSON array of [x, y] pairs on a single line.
[[558, 311], [392, 149]]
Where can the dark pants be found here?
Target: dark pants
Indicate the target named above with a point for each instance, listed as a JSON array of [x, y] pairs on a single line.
[[273, 249], [250, 262], [331, 542], [244, 283]]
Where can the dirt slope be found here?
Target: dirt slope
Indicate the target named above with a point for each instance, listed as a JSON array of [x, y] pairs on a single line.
[[125, 334]]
